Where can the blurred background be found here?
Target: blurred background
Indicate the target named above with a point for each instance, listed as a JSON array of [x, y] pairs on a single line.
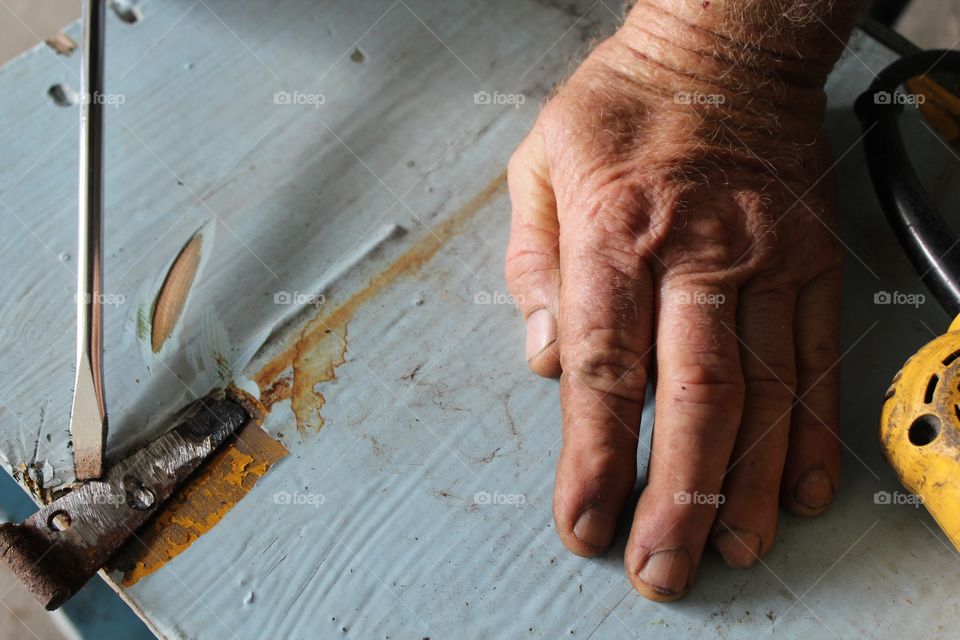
[[98, 612]]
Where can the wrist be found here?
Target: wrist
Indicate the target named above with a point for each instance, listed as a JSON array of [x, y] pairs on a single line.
[[744, 59]]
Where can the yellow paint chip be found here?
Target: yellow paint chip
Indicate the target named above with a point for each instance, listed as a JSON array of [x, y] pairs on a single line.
[[199, 504]]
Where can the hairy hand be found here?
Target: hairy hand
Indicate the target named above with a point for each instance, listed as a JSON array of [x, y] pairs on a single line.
[[673, 222]]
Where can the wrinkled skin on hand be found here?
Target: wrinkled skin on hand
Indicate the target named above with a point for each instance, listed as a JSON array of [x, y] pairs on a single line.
[[669, 229]]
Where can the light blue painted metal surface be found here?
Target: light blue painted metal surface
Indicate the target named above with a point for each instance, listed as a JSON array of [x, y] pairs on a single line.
[[422, 507]]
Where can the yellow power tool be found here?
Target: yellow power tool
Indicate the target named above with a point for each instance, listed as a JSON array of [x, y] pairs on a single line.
[[920, 418], [920, 428]]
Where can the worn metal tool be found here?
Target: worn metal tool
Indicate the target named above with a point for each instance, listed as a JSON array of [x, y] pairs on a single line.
[[57, 550], [88, 417]]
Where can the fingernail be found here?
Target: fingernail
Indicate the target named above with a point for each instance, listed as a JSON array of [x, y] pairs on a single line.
[[541, 332], [595, 528], [667, 572], [814, 489], [739, 548]]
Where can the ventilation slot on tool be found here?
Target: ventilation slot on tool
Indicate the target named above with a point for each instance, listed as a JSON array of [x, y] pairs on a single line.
[[950, 358], [931, 387], [924, 430]]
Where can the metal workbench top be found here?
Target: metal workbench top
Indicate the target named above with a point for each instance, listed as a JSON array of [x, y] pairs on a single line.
[[343, 164]]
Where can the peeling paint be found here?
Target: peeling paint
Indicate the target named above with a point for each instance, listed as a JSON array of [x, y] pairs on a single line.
[[142, 323], [31, 477], [200, 503], [321, 345], [172, 297]]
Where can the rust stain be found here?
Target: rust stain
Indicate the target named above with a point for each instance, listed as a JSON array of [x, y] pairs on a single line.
[[172, 297], [200, 503], [279, 390], [315, 361], [322, 344]]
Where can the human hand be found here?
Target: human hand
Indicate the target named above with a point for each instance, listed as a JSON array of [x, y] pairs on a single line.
[[673, 218]]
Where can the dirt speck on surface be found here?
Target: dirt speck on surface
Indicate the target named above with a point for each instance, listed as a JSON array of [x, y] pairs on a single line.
[[61, 43]]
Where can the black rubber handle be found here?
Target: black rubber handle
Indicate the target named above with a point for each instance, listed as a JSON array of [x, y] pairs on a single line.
[[928, 241]]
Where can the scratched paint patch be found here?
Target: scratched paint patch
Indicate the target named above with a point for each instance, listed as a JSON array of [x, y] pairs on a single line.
[[172, 297], [200, 504], [321, 346]]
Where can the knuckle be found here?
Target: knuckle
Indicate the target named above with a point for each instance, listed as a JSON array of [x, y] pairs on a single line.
[[623, 272], [529, 267], [598, 360], [711, 387], [775, 383], [621, 216], [819, 356]]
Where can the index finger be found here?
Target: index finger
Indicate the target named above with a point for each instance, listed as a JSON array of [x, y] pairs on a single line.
[[605, 334]]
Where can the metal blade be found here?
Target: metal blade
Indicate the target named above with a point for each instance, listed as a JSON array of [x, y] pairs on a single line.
[[88, 417], [56, 550]]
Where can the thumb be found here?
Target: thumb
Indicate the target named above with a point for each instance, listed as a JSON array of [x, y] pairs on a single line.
[[533, 255]]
